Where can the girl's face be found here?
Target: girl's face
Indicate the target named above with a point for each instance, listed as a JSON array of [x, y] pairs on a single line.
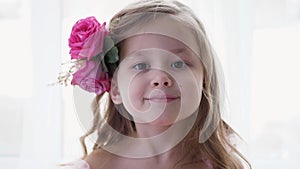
[[159, 79]]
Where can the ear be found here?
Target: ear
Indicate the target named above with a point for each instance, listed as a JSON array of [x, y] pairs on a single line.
[[114, 92]]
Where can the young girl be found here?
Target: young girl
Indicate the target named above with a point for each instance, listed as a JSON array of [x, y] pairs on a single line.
[[157, 70]]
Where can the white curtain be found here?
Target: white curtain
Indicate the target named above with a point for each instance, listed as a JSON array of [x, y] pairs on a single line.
[[230, 26], [42, 122]]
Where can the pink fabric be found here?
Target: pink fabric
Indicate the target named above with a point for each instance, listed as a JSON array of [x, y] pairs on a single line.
[[78, 164], [208, 164], [81, 164]]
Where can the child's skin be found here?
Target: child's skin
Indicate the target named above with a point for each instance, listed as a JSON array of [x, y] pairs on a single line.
[[159, 81]]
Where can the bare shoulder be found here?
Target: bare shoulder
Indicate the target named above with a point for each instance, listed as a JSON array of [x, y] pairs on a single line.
[[99, 159]]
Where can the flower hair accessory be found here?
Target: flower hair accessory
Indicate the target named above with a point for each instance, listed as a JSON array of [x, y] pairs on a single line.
[[93, 56]]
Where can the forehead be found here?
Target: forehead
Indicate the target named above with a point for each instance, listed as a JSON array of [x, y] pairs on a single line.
[[151, 41], [170, 27], [150, 44]]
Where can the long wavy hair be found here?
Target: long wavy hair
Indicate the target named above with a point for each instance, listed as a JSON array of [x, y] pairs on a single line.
[[217, 147]]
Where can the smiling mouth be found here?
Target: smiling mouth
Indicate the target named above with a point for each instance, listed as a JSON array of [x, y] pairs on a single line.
[[165, 99]]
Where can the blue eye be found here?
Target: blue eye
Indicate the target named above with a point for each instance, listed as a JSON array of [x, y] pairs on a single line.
[[178, 64], [141, 66]]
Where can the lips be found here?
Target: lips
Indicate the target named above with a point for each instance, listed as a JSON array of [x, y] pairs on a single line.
[[162, 98]]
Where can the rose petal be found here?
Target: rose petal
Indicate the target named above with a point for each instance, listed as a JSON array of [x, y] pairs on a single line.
[[88, 36], [91, 78]]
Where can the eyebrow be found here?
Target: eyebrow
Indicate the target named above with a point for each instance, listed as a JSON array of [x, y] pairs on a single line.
[[183, 51], [178, 50], [174, 51]]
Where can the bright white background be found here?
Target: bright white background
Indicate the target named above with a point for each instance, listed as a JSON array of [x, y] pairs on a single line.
[[257, 43]]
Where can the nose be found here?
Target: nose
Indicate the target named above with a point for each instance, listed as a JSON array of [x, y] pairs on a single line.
[[161, 79]]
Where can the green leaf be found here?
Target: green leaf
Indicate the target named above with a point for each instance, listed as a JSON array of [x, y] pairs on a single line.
[[98, 57], [112, 56], [104, 68], [108, 44]]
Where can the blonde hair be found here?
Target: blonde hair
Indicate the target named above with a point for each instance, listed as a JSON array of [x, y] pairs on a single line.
[[217, 148]]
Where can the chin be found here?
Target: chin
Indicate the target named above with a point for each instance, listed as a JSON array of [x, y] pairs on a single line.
[[166, 122]]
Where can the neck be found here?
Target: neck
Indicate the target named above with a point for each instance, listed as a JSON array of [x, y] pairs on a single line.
[[173, 153], [145, 130], [153, 141], [169, 157], [163, 140]]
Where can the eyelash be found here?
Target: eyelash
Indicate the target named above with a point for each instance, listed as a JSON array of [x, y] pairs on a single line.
[[135, 66], [147, 65], [184, 63]]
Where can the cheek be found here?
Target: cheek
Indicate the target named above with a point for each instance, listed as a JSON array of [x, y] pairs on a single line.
[[191, 93], [192, 88], [136, 88], [132, 90]]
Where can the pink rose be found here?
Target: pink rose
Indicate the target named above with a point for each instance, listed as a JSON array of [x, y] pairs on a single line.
[[87, 38], [91, 78]]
